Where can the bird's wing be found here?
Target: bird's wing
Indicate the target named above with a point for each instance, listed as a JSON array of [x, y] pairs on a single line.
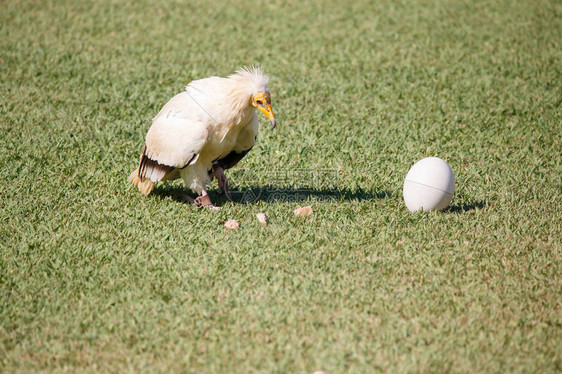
[[174, 141], [244, 143]]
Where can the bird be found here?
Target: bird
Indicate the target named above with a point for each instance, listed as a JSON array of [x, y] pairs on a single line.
[[203, 131]]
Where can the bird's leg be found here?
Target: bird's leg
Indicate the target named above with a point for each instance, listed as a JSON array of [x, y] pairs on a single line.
[[204, 201], [218, 172]]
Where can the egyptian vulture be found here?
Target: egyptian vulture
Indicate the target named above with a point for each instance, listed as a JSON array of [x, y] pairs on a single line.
[[203, 131]]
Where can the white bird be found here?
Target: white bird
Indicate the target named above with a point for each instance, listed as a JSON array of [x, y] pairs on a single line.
[[203, 131]]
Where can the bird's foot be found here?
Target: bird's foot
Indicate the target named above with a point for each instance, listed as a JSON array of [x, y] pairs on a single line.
[[222, 181], [200, 202], [205, 202]]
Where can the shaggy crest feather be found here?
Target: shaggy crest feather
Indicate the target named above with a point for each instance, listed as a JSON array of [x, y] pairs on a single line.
[[256, 80]]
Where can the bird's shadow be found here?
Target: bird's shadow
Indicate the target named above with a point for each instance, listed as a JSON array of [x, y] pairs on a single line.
[[270, 194]]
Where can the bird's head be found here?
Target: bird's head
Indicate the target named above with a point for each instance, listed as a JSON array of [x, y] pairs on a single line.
[[262, 101], [251, 82]]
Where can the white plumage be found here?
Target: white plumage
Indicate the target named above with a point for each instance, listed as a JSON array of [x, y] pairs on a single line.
[[203, 130]]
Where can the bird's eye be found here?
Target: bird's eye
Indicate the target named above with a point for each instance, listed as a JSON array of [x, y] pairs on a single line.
[[259, 102]]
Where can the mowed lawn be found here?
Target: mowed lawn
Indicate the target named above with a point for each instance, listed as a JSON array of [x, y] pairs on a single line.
[[95, 277]]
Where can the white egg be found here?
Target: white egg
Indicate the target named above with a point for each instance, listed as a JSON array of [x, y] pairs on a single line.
[[429, 185]]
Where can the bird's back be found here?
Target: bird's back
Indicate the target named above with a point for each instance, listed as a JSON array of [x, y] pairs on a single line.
[[179, 106]]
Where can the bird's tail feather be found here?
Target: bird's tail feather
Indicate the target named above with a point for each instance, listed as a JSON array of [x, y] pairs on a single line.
[[145, 185]]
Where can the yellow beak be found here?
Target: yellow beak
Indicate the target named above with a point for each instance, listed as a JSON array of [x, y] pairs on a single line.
[[266, 109]]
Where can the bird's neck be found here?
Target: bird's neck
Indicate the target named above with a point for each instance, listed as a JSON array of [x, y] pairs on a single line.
[[237, 122], [238, 102]]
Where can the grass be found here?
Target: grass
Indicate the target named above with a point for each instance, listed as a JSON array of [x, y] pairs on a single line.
[[96, 277]]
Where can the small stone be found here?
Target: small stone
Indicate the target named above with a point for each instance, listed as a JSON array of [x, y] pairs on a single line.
[[232, 224], [304, 211], [262, 218]]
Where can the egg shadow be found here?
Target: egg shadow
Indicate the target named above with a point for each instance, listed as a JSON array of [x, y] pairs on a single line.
[[462, 208]]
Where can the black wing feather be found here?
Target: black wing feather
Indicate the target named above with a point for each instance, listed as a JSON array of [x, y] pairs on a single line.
[[230, 160]]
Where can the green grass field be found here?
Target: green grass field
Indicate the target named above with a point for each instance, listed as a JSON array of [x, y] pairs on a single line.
[[95, 277]]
